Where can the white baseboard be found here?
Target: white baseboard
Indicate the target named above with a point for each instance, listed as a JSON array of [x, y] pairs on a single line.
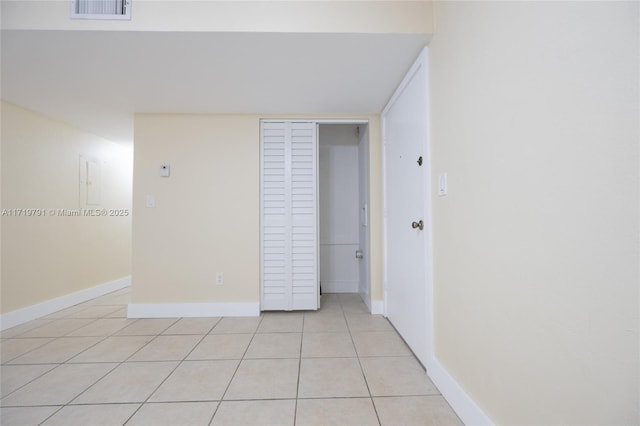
[[29, 313], [464, 406], [377, 307], [177, 310]]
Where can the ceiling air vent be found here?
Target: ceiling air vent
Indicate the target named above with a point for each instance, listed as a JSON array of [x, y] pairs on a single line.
[[101, 9]]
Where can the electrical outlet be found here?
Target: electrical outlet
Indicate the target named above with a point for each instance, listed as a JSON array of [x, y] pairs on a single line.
[[220, 278]]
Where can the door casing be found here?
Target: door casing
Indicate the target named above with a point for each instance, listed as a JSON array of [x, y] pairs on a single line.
[[317, 122]]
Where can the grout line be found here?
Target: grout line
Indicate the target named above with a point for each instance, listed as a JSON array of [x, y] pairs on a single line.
[[86, 349], [295, 408], [180, 362], [57, 364], [53, 414], [342, 304], [66, 362], [51, 339], [364, 376], [30, 381], [237, 367]]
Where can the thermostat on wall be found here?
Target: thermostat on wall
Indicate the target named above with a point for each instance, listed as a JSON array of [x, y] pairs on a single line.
[[164, 170]]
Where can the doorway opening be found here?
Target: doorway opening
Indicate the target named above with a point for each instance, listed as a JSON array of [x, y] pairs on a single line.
[[343, 208]]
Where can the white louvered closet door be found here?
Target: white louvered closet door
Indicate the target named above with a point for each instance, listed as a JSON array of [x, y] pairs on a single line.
[[289, 258]]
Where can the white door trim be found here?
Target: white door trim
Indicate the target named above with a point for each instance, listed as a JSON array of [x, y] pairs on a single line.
[[316, 122], [420, 65]]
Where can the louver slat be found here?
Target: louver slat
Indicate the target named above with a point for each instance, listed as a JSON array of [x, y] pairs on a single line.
[[101, 9]]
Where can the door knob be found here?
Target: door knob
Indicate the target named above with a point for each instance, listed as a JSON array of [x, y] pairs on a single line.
[[419, 225]]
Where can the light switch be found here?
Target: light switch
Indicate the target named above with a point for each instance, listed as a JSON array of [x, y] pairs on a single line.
[[151, 201], [442, 184]]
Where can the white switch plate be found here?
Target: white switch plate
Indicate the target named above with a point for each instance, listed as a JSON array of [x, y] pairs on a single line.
[[220, 278], [442, 184], [164, 170], [151, 201]]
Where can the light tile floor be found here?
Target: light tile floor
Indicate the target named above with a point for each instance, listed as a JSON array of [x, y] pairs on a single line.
[[89, 365]]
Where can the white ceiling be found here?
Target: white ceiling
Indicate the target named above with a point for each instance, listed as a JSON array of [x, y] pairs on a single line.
[[97, 80]]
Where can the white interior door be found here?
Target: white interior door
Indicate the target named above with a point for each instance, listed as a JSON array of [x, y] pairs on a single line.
[[405, 133], [289, 228]]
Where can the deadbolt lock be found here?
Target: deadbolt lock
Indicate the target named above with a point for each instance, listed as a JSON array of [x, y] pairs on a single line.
[[419, 225]]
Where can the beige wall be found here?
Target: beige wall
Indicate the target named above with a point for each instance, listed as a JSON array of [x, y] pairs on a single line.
[[392, 17], [535, 120], [206, 217], [50, 256]]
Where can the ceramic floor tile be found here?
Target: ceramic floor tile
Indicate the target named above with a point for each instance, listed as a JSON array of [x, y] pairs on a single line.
[[167, 348], [110, 296], [94, 415], [66, 313], [331, 377], [121, 299], [196, 381], [237, 325], [359, 308], [19, 330], [275, 345], [287, 322], [333, 308], [264, 379], [324, 322], [327, 345], [332, 383], [120, 313], [352, 303], [59, 386], [113, 349], [221, 346], [99, 311], [13, 348], [102, 327], [329, 298], [416, 410], [336, 412], [13, 377], [368, 322], [147, 327], [58, 328], [25, 416], [175, 413], [129, 382], [349, 298], [328, 304], [57, 351], [397, 376], [255, 413], [380, 343], [192, 326]]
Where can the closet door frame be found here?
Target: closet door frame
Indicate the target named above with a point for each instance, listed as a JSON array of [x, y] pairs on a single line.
[[315, 122]]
